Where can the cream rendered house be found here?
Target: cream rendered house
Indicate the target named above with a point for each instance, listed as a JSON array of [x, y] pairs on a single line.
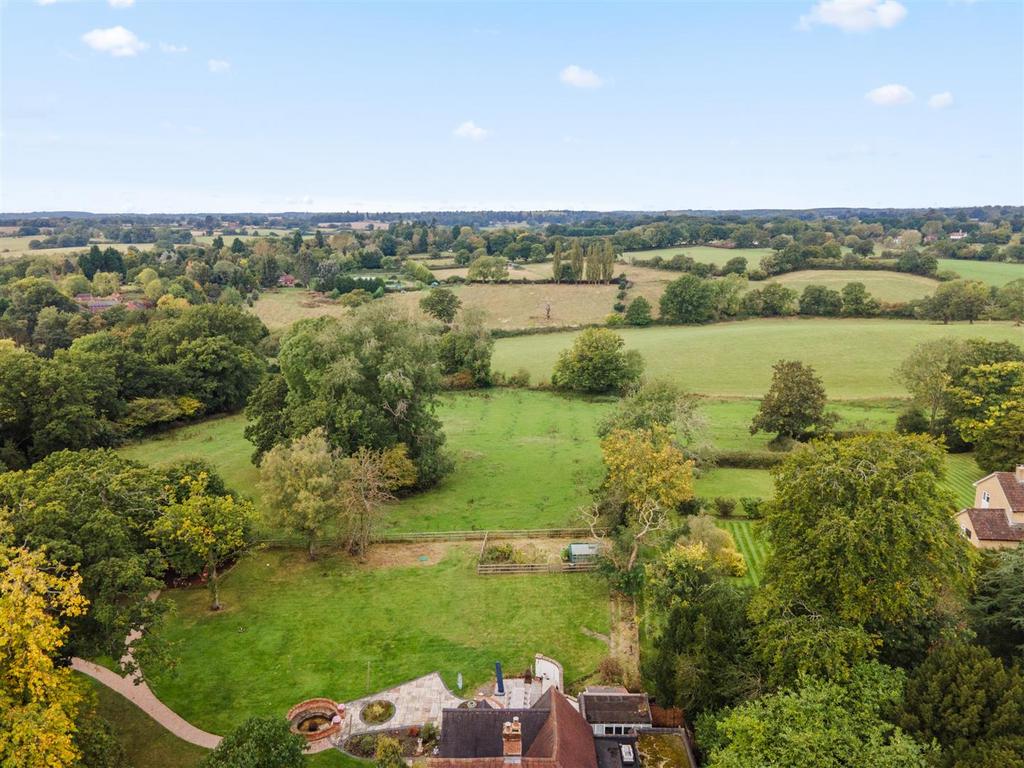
[[996, 521]]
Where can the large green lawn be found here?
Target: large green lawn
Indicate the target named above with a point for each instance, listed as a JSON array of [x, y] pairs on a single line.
[[991, 272], [522, 460], [292, 629], [888, 287], [704, 254], [728, 421], [854, 357]]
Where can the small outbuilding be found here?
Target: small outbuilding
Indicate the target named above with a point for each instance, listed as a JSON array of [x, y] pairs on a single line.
[[582, 552]]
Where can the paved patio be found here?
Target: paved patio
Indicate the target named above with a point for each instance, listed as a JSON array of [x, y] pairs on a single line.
[[416, 702]]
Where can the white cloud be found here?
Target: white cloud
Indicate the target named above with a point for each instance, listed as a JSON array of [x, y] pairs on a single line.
[[218, 66], [578, 77], [472, 131], [890, 95], [941, 100], [171, 48], [854, 15], [45, 2], [121, 3], [117, 41]]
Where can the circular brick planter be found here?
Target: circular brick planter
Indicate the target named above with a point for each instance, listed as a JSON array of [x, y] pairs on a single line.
[[313, 719]]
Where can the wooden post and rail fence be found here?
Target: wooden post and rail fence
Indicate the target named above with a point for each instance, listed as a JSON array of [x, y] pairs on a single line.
[[412, 537]]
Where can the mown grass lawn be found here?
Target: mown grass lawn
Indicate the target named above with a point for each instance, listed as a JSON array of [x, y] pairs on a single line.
[[292, 629], [146, 743], [751, 545], [855, 358], [522, 460]]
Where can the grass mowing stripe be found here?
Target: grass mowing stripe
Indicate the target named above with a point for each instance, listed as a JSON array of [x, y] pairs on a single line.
[[750, 546]]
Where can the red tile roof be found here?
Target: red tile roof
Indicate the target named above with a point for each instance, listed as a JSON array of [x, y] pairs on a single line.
[[1013, 489], [993, 525], [564, 741], [565, 737]]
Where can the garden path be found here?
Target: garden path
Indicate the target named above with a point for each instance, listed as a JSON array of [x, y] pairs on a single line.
[[416, 702], [141, 696]]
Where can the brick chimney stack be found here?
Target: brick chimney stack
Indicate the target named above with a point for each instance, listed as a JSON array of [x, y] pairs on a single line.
[[512, 741], [1019, 474]]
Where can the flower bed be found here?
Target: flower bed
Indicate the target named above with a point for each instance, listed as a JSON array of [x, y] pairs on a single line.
[[377, 712]]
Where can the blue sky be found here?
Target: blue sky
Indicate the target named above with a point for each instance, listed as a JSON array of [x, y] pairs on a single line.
[[152, 106]]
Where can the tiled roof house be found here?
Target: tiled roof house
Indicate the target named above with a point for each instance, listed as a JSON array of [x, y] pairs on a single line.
[[550, 734], [996, 521]]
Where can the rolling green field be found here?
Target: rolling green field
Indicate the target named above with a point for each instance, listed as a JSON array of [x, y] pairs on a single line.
[[522, 459], [992, 272], [293, 629], [855, 358], [888, 287], [704, 254], [12, 248], [219, 441]]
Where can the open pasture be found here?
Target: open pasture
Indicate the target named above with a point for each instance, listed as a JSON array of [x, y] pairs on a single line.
[[854, 357], [995, 273], [280, 307], [887, 287], [11, 249], [219, 441], [704, 254], [524, 459], [292, 629], [516, 305]]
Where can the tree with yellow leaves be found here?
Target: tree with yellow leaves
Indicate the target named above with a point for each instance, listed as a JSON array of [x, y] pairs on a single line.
[[212, 528], [646, 465], [38, 700], [650, 476]]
